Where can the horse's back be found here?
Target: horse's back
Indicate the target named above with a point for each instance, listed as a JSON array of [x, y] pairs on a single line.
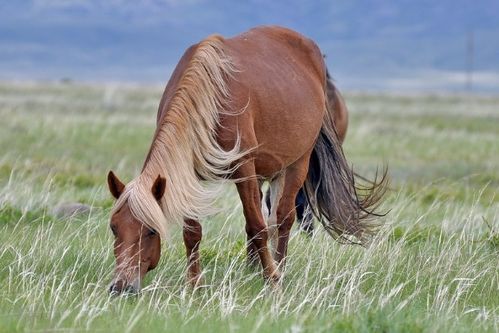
[[280, 83], [275, 58], [273, 46]]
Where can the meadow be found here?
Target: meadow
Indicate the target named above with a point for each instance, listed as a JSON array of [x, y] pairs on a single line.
[[434, 266]]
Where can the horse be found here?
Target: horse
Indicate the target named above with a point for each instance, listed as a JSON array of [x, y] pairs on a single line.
[[231, 112], [340, 119]]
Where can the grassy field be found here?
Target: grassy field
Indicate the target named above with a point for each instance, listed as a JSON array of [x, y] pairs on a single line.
[[433, 268]]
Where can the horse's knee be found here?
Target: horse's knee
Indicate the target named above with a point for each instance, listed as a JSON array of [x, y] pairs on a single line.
[[256, 231], [192, 233]]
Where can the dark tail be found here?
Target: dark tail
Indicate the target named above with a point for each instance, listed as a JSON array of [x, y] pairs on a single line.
[[345, 209]]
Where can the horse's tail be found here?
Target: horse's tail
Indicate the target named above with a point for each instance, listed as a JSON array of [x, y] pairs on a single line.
[[344, 208], [338, 107]]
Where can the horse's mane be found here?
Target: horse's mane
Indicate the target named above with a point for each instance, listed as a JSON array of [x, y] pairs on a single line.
[[185, 150]]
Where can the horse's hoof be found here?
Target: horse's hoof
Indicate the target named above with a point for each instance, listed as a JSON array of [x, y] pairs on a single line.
[[273, 278], [195, 281]]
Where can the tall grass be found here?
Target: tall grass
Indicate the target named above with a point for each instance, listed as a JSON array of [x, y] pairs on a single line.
[[433, 267]]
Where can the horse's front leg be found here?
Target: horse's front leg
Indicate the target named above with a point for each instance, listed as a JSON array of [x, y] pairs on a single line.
[[286, 212], [251, 249], [193, 233], [256, 228]]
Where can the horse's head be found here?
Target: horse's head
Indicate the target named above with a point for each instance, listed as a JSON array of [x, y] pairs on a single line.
[[137, 248]]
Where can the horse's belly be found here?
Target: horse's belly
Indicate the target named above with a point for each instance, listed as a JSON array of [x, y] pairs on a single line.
[[279, 129], [284, 137]]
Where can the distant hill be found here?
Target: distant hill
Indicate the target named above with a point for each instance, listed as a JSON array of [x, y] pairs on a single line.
[[401, 45]]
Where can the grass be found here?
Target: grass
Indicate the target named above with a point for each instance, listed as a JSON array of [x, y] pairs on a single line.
[[433, 268]]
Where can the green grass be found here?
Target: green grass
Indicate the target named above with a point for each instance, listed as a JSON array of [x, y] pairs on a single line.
[[434, 266]]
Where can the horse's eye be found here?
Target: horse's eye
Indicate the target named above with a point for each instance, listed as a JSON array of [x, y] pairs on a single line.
[[150, 232], [113, 229]]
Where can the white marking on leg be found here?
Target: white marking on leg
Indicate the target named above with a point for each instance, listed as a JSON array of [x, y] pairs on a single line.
[[265, 209], [276, 189]]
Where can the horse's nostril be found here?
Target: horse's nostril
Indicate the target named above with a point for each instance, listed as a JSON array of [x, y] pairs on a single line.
[[114, 289], [130, 290], [119, 288]]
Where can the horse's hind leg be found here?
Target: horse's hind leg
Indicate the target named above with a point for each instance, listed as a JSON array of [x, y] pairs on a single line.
[[286, 212], [276, 189], [303, 214], [192, 238], [256, 229]]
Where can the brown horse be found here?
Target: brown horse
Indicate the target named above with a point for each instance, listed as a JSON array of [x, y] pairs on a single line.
[[251, 108]]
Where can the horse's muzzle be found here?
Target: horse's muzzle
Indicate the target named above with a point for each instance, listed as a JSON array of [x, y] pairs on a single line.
[[120, 287]]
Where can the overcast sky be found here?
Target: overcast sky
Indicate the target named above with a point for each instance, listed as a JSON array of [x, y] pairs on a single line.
[[395, 45]]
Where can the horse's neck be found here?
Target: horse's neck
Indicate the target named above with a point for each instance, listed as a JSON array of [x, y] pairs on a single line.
[[169, 151], [184, 148]]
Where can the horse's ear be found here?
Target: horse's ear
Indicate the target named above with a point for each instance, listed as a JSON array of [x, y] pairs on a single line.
[[116, 187], [158, 188]]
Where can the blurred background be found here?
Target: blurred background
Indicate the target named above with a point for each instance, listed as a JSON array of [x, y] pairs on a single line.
[[80, 84], [416, 46]]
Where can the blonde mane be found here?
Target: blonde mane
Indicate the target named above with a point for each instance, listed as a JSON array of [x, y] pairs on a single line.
[[185, 149]]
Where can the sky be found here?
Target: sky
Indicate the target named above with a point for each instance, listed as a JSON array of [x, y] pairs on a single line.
[[370, 45]]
